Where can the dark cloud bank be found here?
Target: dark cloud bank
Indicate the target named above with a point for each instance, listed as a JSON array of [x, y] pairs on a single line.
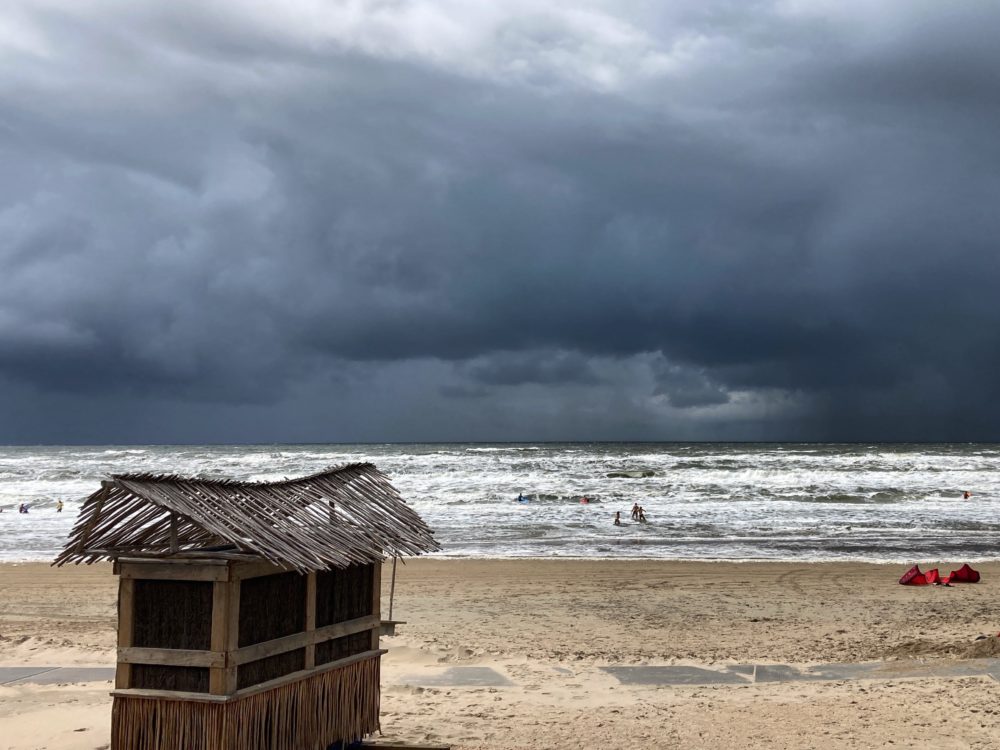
[[428, 221]]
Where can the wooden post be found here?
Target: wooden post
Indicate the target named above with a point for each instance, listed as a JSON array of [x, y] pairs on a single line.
[[392, 586], [126, 629], [232, 634], [310, 655], [225, 634], [376, 602], [220, 619]]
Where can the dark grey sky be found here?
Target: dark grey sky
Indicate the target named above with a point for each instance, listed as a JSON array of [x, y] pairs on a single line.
[[443, 220]]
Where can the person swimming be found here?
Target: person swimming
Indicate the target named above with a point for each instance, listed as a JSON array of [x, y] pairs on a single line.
[[59, 506], [618, 518], [635, 512], [966, 495], [521, 498]]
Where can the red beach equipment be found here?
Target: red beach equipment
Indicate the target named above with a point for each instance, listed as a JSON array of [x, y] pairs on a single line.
[[913, 577], [965, 574]]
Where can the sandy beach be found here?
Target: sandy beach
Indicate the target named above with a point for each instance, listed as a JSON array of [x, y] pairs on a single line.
[[550, 626]]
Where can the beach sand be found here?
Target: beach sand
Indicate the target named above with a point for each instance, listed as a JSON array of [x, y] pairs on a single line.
[[548, 626]]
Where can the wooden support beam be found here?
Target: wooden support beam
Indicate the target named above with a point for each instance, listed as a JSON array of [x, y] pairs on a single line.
[[232, 637], [310, 653], [169, 695], [174, 571], [388, 627], [216, 558], [218, 677], [177, 657], [376, 602], [296, 641], [126, 629], [392, 586], [256, 569]]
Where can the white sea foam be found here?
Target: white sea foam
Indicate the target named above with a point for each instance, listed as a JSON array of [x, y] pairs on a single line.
[[721, 501]]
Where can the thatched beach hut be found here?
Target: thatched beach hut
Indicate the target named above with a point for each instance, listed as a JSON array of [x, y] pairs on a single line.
[[248, 612]]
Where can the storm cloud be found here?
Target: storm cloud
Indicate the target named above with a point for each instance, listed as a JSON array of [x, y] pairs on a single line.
[[434, 220]]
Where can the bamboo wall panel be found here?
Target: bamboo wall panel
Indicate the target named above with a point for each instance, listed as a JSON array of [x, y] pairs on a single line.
[[262, 670], [173, 614], [168, 677], [344, 594], [271, 607], [341, 648]]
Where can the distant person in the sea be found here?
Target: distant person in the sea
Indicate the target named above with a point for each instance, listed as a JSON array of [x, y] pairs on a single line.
[[635, 512], [521, 498], [966, 495], [59, 506], [22, 508], [618, 518], [641, 515], [584, 500]]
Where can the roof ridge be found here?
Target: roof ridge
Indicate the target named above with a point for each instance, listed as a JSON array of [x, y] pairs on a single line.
[[176, 478]]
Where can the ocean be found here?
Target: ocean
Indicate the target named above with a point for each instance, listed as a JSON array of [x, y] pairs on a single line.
[[703, 501]]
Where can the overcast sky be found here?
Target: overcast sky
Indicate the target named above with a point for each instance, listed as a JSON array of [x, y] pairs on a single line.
[[249, 221]]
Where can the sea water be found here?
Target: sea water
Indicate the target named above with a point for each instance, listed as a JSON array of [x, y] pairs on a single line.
[[704, 501]]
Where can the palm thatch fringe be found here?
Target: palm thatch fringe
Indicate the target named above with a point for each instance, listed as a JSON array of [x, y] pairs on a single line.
[[310, 714]]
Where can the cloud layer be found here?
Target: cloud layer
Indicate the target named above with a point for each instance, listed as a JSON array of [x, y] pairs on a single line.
[[435, 220]]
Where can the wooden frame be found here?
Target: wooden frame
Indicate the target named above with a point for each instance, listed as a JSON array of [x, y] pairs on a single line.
[[126, 630], [226, 656]]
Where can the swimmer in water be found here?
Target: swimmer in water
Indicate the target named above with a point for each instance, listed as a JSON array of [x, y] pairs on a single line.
[[618, 518], [966, 495]]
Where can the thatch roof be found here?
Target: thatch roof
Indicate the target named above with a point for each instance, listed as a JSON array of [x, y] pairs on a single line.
[[332, 519]]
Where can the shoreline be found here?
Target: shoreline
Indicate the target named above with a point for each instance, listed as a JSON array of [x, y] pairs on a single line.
[[907, 562]]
